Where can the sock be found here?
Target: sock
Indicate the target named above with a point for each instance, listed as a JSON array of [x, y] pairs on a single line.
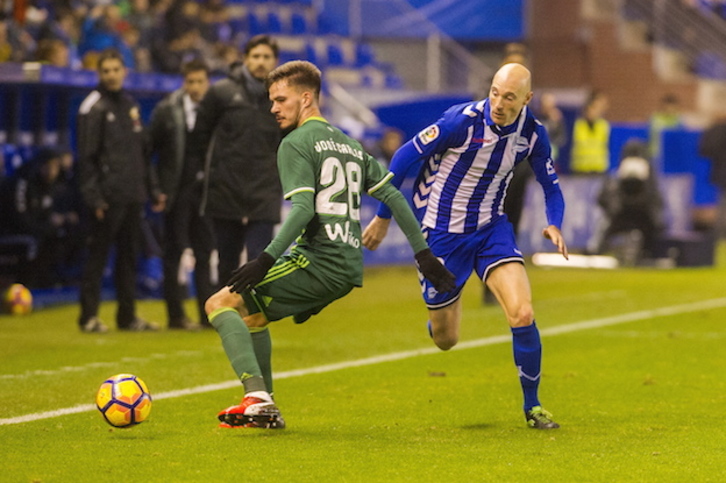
[[263, 351], [238, 346], [528, 358]]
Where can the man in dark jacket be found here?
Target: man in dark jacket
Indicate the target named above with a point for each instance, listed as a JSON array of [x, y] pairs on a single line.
[[242, 192], [115, 179], [712, 145], [180, 176]]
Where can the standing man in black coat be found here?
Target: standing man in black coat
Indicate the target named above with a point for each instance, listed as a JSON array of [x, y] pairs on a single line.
[[181, 177], [115, 180], [242, 192]]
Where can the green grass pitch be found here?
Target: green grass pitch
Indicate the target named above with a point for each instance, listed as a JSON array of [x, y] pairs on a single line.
[[633, 370]]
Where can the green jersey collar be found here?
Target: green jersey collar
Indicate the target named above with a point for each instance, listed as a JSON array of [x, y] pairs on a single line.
[[315, 118]]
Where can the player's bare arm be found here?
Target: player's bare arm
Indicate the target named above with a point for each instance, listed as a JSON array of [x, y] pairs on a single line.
[[375, 232], [553, 233]]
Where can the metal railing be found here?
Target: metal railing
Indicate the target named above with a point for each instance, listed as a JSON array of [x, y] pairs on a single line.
[[676, 25], [449, 66]]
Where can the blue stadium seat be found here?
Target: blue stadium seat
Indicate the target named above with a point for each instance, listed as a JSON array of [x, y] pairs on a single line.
[[364, 55], [274, 22], [393, 81], [287, 56], [311, 54], [336, 56], [299, 24], [255, 24], [325, 25]]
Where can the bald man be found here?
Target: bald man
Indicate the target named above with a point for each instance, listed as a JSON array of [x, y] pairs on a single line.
[[466, 160]]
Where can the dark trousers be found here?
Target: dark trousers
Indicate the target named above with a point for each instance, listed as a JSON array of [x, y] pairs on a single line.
[[120, 227], [233, 236], [184, 227]]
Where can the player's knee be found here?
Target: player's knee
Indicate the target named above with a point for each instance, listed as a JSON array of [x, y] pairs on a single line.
[[445, 339], [221, 299], [522, 317], [445, 326], [445, 343]]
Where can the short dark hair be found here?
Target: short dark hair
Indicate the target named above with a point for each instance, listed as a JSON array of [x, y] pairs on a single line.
[[297, 73], [194, 65], [109, 54], [262, 39]]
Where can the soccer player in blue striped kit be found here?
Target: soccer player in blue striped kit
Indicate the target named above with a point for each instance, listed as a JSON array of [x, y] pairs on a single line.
[[466, 162]]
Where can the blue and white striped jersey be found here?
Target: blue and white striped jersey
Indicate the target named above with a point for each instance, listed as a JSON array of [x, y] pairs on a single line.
[[466, 163]]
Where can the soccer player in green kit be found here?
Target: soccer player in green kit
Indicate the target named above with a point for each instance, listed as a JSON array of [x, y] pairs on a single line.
[[324, 173]]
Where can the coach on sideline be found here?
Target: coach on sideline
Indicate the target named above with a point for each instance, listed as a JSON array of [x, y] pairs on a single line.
[[115, 180]]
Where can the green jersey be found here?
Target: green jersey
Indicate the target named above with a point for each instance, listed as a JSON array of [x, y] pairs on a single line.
[[322, 166]]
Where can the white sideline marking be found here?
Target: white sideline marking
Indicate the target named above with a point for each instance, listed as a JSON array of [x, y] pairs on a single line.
[[396, 356]]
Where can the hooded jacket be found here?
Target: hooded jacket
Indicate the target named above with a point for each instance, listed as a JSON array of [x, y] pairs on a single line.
[[240, 136]]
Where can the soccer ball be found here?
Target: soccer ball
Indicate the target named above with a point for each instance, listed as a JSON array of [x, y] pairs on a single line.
[[17, 300], [123, 400]]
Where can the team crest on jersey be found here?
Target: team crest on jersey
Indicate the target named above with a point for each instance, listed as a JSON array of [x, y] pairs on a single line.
[[429, 134]]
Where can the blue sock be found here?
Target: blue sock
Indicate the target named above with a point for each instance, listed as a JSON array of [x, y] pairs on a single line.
[[528, 358]]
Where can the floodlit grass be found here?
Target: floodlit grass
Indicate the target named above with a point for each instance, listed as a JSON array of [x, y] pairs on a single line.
[[638, 401]]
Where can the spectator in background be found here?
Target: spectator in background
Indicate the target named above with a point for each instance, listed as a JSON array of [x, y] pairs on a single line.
[[128, 44], [115, 180], [63, 26], [28, 209], [6, 48], [16, 44], [391, 140], [515, 53], [667, 116], [169, 56], [214, 19], [242, 192], [554, 121], [52, 52], [69, 202], [180, 177], [591, 137], [224, 56], [712, 145], [100, 29], [142, 19], [632, 202]]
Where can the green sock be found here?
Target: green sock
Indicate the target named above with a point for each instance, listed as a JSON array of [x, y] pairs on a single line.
[[263, 350], [237, 343]]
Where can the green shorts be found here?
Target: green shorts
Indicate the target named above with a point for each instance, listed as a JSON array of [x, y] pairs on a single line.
[[292, 288]]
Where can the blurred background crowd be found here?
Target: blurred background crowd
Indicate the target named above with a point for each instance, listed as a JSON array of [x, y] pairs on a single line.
[[624, 79], [152, 35]]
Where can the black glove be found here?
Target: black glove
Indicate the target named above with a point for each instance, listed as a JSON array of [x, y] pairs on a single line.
[[433, 270], [251, 273]]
